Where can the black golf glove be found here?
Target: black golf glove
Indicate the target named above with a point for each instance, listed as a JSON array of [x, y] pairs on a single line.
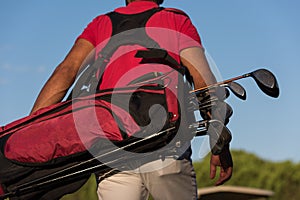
[[226, 158]]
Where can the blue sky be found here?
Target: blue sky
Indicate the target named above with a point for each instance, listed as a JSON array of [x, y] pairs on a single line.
[[240, 36]]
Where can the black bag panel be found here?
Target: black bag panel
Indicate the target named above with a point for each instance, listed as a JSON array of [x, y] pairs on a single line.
[[10, 171], [49, 191]]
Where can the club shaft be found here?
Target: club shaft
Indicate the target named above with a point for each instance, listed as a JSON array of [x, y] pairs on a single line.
[[221, 83]]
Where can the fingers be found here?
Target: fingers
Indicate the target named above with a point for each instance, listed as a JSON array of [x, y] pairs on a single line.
[[225, 175], [225, 171], [213, 171], [214, 163]]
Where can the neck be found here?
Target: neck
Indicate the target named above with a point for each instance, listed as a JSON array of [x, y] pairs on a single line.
[[129, 1]]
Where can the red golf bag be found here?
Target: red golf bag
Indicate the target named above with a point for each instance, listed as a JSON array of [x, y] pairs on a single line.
[[54, 151]]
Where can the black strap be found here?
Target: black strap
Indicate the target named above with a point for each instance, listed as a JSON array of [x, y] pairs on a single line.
[[88, 83], [158, 56], [126, 30]]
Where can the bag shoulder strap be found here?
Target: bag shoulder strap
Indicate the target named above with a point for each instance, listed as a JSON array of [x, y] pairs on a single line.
[[126, 30]]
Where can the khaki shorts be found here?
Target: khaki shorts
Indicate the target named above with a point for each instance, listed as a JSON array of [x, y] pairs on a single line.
[[164, 180]]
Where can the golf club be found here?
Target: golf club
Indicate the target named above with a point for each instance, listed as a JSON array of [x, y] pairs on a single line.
[[238, 90], [265, 80]]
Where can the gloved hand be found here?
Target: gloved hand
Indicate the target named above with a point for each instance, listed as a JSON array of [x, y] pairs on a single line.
[[213, 108], [224, 161], [226, 158], [219, 136]]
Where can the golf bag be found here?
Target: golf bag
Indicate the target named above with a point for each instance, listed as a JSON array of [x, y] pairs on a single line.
[[85, 132]]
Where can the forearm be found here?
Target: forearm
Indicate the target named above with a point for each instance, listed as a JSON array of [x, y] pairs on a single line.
[[64, 75], [55, 88], [194, 59]]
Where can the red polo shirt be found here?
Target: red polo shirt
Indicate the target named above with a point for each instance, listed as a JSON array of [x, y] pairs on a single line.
[[171, 30]]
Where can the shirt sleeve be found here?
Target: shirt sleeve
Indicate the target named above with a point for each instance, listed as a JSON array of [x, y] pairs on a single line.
[[90, 31], [189, 35]]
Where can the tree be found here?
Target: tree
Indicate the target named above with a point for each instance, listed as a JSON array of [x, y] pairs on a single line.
[[283, 178]]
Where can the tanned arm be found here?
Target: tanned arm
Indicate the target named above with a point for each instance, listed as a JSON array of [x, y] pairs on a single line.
[[64, 75], [194, 59]]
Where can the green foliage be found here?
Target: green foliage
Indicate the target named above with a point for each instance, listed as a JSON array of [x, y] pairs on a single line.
[[283, 178], [86, 192]]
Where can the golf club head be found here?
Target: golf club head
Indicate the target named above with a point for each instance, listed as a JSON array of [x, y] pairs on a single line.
[[266, 81], [238, 90]]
